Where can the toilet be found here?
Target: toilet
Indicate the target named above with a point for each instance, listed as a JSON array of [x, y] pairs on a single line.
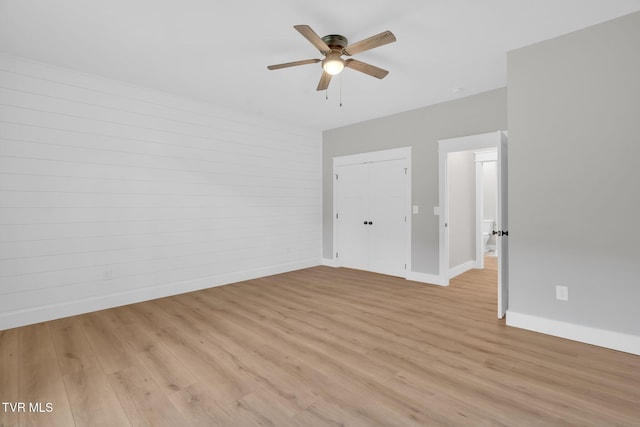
[[487, 229]]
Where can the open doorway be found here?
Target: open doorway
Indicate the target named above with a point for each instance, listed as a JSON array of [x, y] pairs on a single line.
[[482, 142], [486, 204]]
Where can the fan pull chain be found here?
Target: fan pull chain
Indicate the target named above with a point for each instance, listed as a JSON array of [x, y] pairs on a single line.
[[341, 90]]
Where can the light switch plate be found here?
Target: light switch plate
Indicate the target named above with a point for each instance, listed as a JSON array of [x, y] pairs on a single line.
[[416, 209], [436, 210]]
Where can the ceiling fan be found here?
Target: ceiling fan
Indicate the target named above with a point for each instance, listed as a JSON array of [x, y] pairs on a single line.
[[333, 47]]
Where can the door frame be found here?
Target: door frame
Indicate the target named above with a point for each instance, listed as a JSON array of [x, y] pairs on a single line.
[[446, 146], [403, 153]]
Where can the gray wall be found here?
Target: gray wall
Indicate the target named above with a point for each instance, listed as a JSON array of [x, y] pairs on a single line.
[[574, 136], [461, 176], [420, 129]]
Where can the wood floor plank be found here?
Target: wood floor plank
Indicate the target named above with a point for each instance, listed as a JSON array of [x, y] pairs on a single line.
[[190, 350], [265, 410], [201, 406], [371, 399], [9, 365], [169, 371], [143, 400], [320, 341], [316, 347], [455, 410], [101, 329], [41, 380], [316, 339], [92, 401], [323, 413], [267, 379]]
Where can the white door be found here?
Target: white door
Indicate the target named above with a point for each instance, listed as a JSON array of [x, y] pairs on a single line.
[[387, 212], [353, 212], [502, 238], [372, 223]]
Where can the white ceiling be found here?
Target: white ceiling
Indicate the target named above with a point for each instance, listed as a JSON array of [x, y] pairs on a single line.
[[218, 51]]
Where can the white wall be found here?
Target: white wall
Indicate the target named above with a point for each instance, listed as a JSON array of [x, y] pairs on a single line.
[[574, 204], [111, 194], [461, 169]]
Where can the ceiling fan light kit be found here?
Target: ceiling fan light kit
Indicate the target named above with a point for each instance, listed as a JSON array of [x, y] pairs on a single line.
[[333, 47], [333, 63]]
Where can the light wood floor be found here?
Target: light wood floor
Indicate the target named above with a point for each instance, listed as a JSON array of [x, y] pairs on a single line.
[[318, 347]]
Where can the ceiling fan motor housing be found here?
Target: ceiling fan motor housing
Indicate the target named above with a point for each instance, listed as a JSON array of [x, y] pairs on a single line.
[[336, 41]]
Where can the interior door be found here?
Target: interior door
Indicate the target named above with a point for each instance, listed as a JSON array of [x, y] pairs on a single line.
[[371, 223], [502, 239], [353, 211], [387, 212]]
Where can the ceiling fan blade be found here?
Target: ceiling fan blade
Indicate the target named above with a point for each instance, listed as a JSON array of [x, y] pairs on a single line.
[[315, 39], [325, 79], [363, 67], [381, 39], [293, 64]]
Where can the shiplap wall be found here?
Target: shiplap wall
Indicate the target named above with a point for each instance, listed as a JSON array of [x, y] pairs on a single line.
[[112, 194]]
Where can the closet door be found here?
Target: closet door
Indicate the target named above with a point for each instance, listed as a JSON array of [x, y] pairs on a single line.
[[387, 209], [371, 224], [353, 211]]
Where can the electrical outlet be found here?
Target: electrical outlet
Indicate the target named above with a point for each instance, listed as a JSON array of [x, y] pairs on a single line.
[[562, 293]]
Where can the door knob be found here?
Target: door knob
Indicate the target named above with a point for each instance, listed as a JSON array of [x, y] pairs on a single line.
[[370, 222], [365, 223]]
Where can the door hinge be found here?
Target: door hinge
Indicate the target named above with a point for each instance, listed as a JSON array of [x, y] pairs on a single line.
[[336, 177], [405, 218], [500, 233], [336, 215], [405, 170], [405, 266], [336, 254]]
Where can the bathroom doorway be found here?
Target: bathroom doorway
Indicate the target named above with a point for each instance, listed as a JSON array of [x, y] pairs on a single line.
[[486, 201], [483, 142]]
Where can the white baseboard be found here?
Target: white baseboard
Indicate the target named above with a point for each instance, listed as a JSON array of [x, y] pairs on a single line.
[[329, 262], [462, 268], [14, 319], [586, 334], [431, 279]]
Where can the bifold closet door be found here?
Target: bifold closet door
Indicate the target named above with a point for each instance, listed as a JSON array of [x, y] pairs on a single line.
[[371, 224], [353, 211], [387, 209]]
